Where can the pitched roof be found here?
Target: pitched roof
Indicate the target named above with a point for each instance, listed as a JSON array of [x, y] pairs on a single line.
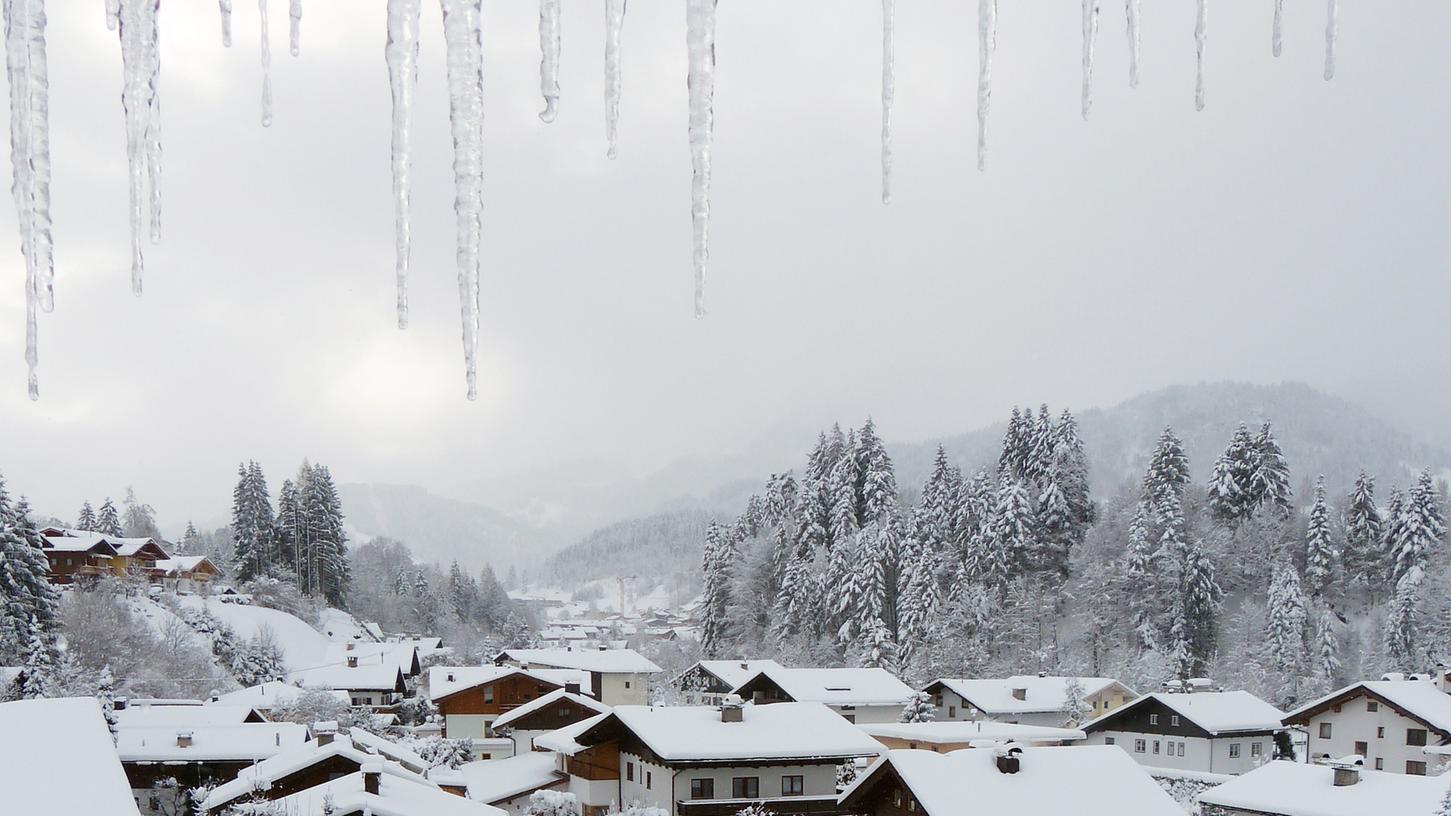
[[178, 564], [130, 547], [69, 730], [976, 731], [396, 796], [605, 661], [78, 541], [1296, 789], [837, 686], [495, 780], [1085, 780], [553, 697], [247, 742], [289, 762], [185, 716], [1419, 699], [1041, 694], [735, 672], [267, 696], [467, 677], [1218, 712], [565, 740], [377, 677], [403, 655], [690, 734]]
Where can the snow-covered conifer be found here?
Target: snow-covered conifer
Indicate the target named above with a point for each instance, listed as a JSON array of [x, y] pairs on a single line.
[[1075, 703], [1319, 549], [1270, 483], [919, 708], [108, 521], [1363, 531], [718, 572], [86, 519], [1402, 626], [877, 650], [106, 696], [1285, 633], [1230, 496], [1012, 535], [1421, 526]]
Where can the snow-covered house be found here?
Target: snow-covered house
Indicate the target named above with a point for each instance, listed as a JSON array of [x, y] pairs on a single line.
[[471, 698], [551, 712], [950, 735], [188, 573], [374, 792], [183, 714], [173, 758], [859, 695], [507, 784], [709, 681], [1026, 699], [405, 656], [617, 676], [1087, 780], [704, 761], [1389, 722], [378, 685], [38, 735], [267, 697], [76, 557], [1220, 732], [1340, 788]]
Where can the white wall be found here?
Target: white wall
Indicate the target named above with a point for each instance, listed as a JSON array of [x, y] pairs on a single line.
[[615, 692], [465, 726], [1356, 723], [817, 779], [657, 793], [870, 714], [1200, 754]]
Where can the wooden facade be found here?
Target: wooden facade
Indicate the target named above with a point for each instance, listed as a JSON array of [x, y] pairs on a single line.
[[318, 773], [558, 714], [597, 763], [882, 793], [496, 697]]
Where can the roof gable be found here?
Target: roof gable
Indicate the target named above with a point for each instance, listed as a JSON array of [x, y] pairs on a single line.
[[1419, 700], [1216, 712]]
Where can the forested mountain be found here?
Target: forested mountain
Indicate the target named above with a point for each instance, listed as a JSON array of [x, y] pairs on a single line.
[[658, 550]]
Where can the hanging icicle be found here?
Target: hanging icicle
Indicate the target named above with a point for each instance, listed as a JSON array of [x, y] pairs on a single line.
[[1131, 10], [614, 27], [294, 27], [226, 9], [1090, 34], [549, 13], [1201, 33], [113, 14], [987, 43], [141, 65], [266, 65], [463, 39], [889, 92], [1276, 40], [28, 75], [1330, 23], [700, 48], [402, 56]]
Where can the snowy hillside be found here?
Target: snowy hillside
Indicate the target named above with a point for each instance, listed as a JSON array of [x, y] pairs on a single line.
[[302, 646]]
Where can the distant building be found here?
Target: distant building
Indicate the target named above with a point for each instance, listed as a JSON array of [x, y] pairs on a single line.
[[1024, 699], [379, 686], [708, 682], [1220, 732], [162, 761], [858, 695], [617, 676], [374, 792], [1389, 722]]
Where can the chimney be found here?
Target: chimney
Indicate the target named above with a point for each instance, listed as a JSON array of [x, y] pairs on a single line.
[[1042, 674], [1347, 770], [349, 647], [745, 666], [352, 661], [183, 739], [450, 677], [1010, 759], [120, 703], [324, 732], [732, 710], [372, 777], [1020, 694], [571, 688]]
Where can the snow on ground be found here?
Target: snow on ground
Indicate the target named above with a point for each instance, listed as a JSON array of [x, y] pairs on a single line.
[[340, 627], [157, 616], [302, 646]]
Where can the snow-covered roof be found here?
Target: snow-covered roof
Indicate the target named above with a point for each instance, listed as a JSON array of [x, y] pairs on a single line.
[[838, 686], [403, 655], [564, 740], [466, 677], [184, 716], [735, 672], [1085, 780], [129, 547], [376, 677], [604, 661], [686, 734], [38, 734], [78, 541], [1040, 694], [1218, 712], [306, 755], [215, 743], [268, 696], [1295, 789], [553, 697], [178, 564], [952, 732], [495, 780], [382, 746], [396, 796], [1419, 698]]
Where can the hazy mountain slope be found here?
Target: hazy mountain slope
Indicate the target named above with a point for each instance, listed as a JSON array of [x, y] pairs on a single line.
[[657, 550]]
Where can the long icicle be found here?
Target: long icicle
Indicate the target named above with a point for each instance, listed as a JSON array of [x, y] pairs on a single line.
[[1330, 23], [153, 127], [549, 13], [1276, 38], [987, 43], [294, 27], [1090, 35], [614, 80], [700, 48], [463, 39], [402, 56], [141, 66], [1131, 11], [226, 9], [266, 65], [27, 72], [1201, 34], [889, 92]]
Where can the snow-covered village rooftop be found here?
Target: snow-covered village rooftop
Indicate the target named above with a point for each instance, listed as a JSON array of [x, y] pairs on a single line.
[[543, 703], [1218, 712], [975, 732], [1022, 694], [1420, 698], [605, 661], [445, 681], [390, 795], [833, 686], [263, 774], [35, 735], [1298, 789], [735, 672], [495, 780], [246, 742]]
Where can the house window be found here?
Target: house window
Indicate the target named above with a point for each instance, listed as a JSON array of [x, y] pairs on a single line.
[[746, 787], [1156, 746], [649, 778], [1415, 768], [1233, 750], [1181, 749], [1258, 749], [702, 789], [1380, 764], [1415, 736], [1108, 740], [793, 785], [1325, 730], [1138, 746], [563, 712], [1380, 732], [951, 711], [1174, 720], [627, 684], [489, 695], [1153, 719], [629, 772], [1362, 748], [1372, 706]]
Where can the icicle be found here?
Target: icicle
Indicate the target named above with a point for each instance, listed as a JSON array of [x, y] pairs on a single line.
[[402, 56], [226, 7], [614, 26], [26, 69], [1131, 10], [140, 61], [153, 127], [294, 30], [700, 47], [1201, 32], [889, 92], [987, 43], [266, 66], [1090, 34], [549, 13], [113, 14], [1275, 36], [463, 38], [1330, 15]]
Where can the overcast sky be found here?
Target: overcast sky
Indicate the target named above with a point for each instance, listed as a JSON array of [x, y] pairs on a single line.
[[1296, 229]]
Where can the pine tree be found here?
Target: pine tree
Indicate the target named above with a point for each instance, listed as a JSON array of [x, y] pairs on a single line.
[[1286, 629], [1012, 535], [86, 519], [1270, 482], [919, 708], [877, 649], [1230, 497], [1039, 457], [1391, 534], [29, 604], [1140, 571], [1402, 629], [1363, 531], [1420, 528], [1319, 550], [1445, 807], [1075, 703], [108, 521], [876, 479], [1202, 596], [718, 571], [1011, 460], [842, 496], [462, 593], [191, 540], [846, 590], [1168, 470], [1327, 650], [39, 676], [252, 524], [139, 518], [1071, 464]]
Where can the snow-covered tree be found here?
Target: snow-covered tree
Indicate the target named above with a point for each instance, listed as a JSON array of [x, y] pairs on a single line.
[[1231, 498], [1420, 527], [919, 708], [40, 674], [1285, 636], [444, 753], [757, 809], [252, 524], [86, 519], [1075, 703], [1327, 650], [1270, 484], [1319, 549], [1363, 531], [1012, 537], [139, 519], [1140, 573], [552, 803], [29, 604], [1402, 626], [877, 649], [718, 573], [108, 521], [1168, 470], [106, 696]]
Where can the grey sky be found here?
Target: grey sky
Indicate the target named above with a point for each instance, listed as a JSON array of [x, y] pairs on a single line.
[[1294, 229]]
